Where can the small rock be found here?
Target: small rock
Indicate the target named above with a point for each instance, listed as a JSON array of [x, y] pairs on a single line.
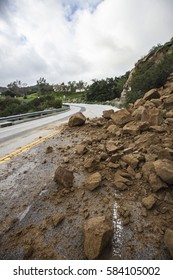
[[126, 221], [144, 212], [57, 219], [49, 150], [149, 201], [103, 156], [164, 169], [131, 129], [81, 149], [90, 164], [113, 165], [112, 129], [131, 160], [98, 233], [107, 114], [94, 181], [168, 239], [64, 177], [66, 159], [120, 181], [156, 183], [111, 147]]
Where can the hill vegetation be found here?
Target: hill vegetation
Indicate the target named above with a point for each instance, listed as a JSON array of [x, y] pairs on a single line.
[[150, 72]]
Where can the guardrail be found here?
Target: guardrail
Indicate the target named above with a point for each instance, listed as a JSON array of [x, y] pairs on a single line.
[[4, 120]]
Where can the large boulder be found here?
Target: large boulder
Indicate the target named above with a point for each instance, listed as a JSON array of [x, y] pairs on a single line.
[[64, 177], [98, 231], [77, 119], [153, 116], [164, 169], [168, 239], [121, 117], [151, 94]]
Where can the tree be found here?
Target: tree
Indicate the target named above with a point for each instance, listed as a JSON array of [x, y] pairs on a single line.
[[102, 90], [16, 89], [44, 87]]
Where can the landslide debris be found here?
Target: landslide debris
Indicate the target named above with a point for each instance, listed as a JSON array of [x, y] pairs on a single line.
[[111, 196]]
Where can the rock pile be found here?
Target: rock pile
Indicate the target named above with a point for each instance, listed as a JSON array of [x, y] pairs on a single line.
[[136, 145]]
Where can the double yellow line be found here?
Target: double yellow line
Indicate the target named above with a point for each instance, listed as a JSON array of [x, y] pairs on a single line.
[[29, 146]]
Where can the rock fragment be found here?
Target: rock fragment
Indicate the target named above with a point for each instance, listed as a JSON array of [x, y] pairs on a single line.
[[121, 117], [107, 114], [49, 150], [64, 177], [149, 201], [77, 120], [168, 239], [98, 232], [94, 181], [81, 149], [131, 160], [57, 219], [164, 169], [151, 94]]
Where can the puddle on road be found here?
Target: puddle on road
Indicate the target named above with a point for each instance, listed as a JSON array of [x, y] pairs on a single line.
[[117, 238], [24, 213]]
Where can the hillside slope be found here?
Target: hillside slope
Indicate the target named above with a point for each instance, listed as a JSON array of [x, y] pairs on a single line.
[[149, 72]]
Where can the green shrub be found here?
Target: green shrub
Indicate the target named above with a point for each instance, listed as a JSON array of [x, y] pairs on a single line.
[[12, 106], [148, 75]]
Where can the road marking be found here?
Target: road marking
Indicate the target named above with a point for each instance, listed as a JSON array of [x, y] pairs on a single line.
[[29, 146]]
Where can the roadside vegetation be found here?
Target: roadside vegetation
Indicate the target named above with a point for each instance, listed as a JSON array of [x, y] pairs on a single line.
[[18, 99], [152, 72], [105, 90]]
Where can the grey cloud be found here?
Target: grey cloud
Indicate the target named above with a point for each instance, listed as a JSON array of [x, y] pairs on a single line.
[[6, 7]]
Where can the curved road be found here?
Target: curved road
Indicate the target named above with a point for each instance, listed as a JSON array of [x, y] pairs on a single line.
[[14, 137]]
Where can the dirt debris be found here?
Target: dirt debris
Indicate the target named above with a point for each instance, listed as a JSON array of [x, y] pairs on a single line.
[[132, 151]]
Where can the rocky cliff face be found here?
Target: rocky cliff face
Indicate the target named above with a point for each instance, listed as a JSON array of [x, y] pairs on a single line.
[[155, 55]]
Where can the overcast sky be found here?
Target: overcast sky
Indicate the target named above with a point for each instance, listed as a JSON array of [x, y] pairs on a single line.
[[66, 40]]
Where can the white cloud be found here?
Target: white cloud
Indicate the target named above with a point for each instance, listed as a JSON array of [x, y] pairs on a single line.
[[71, 40]]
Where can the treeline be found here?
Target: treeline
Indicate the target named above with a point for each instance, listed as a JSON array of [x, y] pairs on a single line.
[[108, 89], [13, 106]]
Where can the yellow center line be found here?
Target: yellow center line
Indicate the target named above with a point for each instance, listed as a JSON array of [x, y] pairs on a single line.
[[29, 146]]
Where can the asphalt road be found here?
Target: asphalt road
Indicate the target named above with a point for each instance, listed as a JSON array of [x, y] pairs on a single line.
[[19, 135]]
